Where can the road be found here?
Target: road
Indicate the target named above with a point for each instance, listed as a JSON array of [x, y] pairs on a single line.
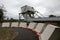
[[25, 34]]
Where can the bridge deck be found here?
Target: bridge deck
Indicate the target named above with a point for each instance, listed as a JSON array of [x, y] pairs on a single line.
[[53, 19]]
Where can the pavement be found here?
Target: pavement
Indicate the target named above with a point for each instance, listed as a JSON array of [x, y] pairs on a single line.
[[25, 34]]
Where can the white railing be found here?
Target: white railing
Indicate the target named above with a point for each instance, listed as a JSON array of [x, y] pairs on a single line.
[[48, 29]]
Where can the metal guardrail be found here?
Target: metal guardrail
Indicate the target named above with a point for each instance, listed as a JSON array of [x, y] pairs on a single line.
[[39, 20]]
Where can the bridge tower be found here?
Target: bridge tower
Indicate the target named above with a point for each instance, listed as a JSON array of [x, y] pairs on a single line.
[[27, 12]]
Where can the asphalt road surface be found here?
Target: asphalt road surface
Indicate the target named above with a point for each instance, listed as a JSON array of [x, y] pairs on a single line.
[[25, 34]]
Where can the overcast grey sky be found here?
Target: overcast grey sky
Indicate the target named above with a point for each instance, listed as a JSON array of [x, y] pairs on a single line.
[[45, 7]]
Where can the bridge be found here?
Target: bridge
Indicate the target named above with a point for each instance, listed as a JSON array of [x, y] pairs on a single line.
[[45, 27], [43, 19], [29, 14]]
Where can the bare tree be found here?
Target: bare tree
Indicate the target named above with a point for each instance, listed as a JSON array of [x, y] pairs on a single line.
[[1, 14]]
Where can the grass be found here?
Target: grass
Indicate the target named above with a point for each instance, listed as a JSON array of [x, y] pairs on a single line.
[[7, 33]]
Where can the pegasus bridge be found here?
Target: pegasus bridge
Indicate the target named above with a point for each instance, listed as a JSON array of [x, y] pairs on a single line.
[[46, 28]]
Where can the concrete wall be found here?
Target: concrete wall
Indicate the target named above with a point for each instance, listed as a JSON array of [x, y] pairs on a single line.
[[50, 33]]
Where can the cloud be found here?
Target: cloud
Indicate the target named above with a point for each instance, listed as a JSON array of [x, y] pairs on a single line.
[[45, 7], [51, 6]]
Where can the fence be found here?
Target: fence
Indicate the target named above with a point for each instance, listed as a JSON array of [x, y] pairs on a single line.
[[45, 30]]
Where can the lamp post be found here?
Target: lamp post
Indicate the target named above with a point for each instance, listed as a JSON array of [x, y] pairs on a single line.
[[19, 16], [19, 20]]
